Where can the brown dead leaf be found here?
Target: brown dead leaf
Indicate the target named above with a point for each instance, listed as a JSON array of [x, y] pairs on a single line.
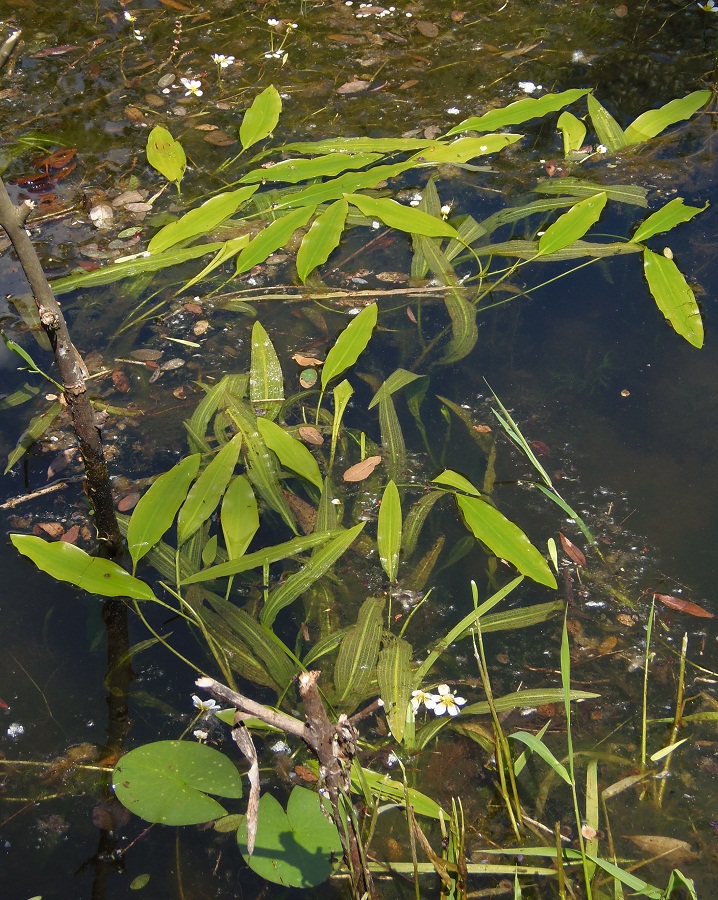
[[305, 514], [144, 354], [302, 360], [51, 529], [306, 774], [362, 470], [220, 139], [658, 845], [572, 551], [175, 4], [71, 535], [607, 645], [540, 449], [621, 11], [60, 462], [120, 381], [346, 38], [692, 609], [626, 620], [355, 86], [175, 363], [405, 85], [310, 435], [134, 115], [482, 429], [180, 393], [193, 308], [428, 29], [206, 127], [129, 501], [200, 327], [457, 15]]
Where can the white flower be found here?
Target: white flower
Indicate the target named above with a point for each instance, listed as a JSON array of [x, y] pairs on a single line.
[[710, 6], [447, 701], [193, 85], [528, 87], [453, 110], [201, 735], [273, 22], [205, 706], [129, 17], [419, 697], [601, 148], [445, 210], [222, 61]]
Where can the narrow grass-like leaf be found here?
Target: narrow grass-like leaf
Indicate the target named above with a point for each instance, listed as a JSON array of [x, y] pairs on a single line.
[[392, 438], [272, 238], [291, 452], [293, 171], [388, 534], [66, 562], [206, 492], [359, 145], [157, 508], [654, 121], [336, 188], [415, 520], [540, 749], [322, 238], [404, 218], [261, 118], [201, 220], [350, 344], [37, 426], [577, 250], [342, 394], [573, 131], [518, 112], [393, 791], [398, 379], [667, 217], [266, 382], [592, 810], [609, 132], [395, 684], [320, 563], [229, 249], [572, 225], [217, 397], [358, 653], [239, 516], [522, 617], [673, 297], [632, 194], [166, 155]]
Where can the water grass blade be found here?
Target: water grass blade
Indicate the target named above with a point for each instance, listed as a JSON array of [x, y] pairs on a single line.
[[577, 188], [356, 662], [392, 438], [609, 132], [673, 296], [392, 791], [37, 426], [342, 394], [388, 535], [395, 679], [266, 382], [415, 520], [652, 122], [292, 453], [206, 492], [228, 250], [260, 120], [322, 238], [293, 171]]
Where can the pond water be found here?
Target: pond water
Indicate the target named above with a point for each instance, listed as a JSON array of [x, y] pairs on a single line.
[[622, 412]]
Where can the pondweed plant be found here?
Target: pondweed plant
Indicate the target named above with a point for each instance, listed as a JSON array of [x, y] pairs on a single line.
[[251, 473]]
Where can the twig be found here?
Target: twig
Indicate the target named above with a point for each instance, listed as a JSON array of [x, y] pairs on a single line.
[[8, 46], [48, 489]]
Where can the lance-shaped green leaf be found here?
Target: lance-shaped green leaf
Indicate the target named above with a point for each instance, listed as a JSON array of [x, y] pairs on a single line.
[[166, 155], [228, 250], [200, 220], [155, 512], [342, 394], [388, 534], [464, 331], [294, 170], [394, 791], [518, 112], [572, 225], [396, 680], [609, 132], [405, 218], [359, 145], [66, 562], [239, 516], [266, 382], [358, 653], [32, 366], [37, 426], [504, 538], [673, 296], [392, 437], [577, 188], [667, 217], [347, 183], [206, 492], [538, 747], [322, 238], [654, 121], [291, 452], [398, 379], [320, 563], [272, 238], [573, 131], [464, 149], [261, 118], [350, 344]]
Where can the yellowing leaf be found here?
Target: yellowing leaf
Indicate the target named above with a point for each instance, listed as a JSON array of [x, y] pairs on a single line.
[[166, 155], [261, 118]]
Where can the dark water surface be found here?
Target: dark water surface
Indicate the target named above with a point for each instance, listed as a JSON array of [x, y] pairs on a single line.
[[589, 368]]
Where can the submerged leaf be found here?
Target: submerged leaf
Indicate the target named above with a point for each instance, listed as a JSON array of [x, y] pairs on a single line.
[[358, 652], [166, 155], [239, 516], [388, 535], [266, 382]]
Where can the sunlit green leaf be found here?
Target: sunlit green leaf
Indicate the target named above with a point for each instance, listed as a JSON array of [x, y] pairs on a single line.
[[392, 437], [336, 188], [358, 653], [228, 250], [206, 492], [342, 394], [673, 296], [272, 238], [66, 562], [396, 680], [572, 225], [157, 508], [350, 344], [543, 751], [577, 188], [667, 217], [295, 170], [261, 118], [404, 218], [291, 452], [359, 145], [573, 131], [609, 132], [201, 220], [322, 238], [388, 535], [239, 516], [37, 426], [464, 149], [398, 379], [166, 155], [388, 789], [266, 382], [654, 121], [518, 112]]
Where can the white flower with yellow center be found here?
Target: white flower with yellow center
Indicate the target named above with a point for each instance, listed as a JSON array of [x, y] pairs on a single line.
[[421, 697], [194, 87], [222, 61], [205, 706], [447, 701]]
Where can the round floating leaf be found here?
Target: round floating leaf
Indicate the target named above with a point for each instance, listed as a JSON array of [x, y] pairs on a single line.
[[168, 782], [295, 848]]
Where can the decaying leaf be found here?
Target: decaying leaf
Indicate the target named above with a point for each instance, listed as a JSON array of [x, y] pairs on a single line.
[[101, 216], [658, 845], [145, 354], [686, 606], [428, 29], [129, 501], [120, 381], [353, 87], [302, 360], [310, 435], [71, 535], [362, 470], [52, 529], [572, 551]]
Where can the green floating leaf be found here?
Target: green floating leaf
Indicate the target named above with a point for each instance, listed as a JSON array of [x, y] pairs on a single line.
[[206, 492], [296, 848], [673, 213], [576, 250], [347, 183], [673, 297], [322, 238], [609, 132], [65, 562], [573, 131], [155, 512], [396, 681], [239, 516], [291, 452], [166, 155], [360, 145], [577, 188], [464, 149], [139, 882], [168, 782], [201, 220], [404, 218], [388, 535], [518, 112], [355, 667], [293, 171], [654, 121], [20, 396], [261, 118], [37, 426], [266, 382], [228, 250], [386, 788], [350, 344], [272, 238], [572, 225]]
